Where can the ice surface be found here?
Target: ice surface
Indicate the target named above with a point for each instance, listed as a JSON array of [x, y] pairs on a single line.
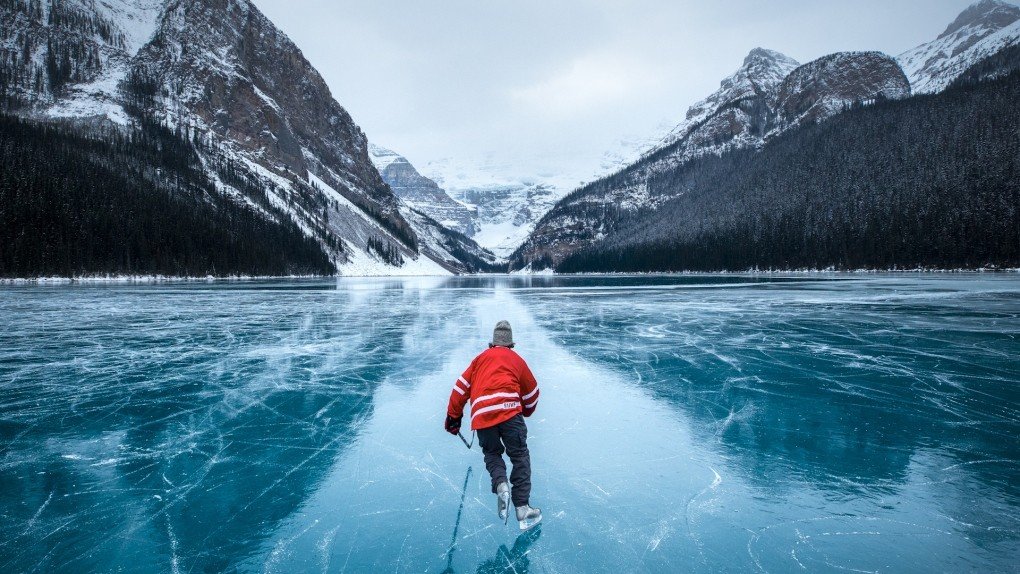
[[778, 424]]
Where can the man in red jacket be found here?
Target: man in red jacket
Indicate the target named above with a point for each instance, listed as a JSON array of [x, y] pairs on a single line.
[[502, 392]]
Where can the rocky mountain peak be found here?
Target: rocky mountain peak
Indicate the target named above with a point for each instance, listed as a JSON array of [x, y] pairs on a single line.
[[759, 76], [223, 68], [383, 157], [765, 62], [762, 71], [421, 193], [987, 14], [978, 32], [262, 120], [826, 86]]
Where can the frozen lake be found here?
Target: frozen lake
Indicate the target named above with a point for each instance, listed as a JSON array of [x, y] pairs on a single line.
[[699, 424]]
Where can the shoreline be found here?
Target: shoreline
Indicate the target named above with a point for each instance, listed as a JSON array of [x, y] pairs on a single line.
[[149, 279], [155, 279], [920, 270]]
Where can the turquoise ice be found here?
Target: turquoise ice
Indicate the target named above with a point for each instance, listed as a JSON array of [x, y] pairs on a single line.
[[820, 423]]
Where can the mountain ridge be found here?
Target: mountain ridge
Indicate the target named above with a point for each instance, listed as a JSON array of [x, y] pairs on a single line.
[[421, 193], [768, 95], [266, 126], [979, 31], [926, 182], [269, 134], [806, 94]]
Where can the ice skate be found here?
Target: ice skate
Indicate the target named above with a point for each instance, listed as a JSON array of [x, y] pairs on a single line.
[[503, 501], [528, 516]]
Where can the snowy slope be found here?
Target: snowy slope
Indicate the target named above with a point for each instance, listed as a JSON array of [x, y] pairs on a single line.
[[452, 250], [631, 148], [766, 96], [421, 193], [66, 58], [443, 225], [978, 32], [136, 22], [382, 157], [734, 116], [507, 206], [760, 75]]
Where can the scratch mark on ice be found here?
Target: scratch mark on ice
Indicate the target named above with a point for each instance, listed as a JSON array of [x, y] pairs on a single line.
[[35, 516]]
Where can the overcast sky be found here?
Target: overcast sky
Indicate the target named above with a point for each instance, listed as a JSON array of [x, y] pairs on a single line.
[[549, 86]]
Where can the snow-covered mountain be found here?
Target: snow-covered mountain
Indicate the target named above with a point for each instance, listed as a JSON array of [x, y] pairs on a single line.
[[743, 97], [978, 32], [629, 148], [225, 69], [421, 193], [266, 126], [507, 207], [736, 115], [452, 249], [768, 95], [495, 211], [67, 58]]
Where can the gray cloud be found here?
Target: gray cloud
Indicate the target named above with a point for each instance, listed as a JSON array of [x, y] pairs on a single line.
[[547, 87]]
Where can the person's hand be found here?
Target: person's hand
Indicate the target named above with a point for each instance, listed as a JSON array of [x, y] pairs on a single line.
[[453, 424]]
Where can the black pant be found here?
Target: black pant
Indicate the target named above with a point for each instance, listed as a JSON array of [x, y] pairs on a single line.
[[513, 435]]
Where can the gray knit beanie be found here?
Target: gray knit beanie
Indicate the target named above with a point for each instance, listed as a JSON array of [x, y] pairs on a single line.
[[502, 335]]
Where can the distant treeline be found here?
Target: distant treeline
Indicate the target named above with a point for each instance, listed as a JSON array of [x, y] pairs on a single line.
[[78, 202], [931, 181]]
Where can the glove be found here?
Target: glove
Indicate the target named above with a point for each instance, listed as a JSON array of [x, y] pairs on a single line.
[[453, 424]]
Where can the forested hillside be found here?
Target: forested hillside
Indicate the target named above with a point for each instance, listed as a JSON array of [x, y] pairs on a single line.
[[77, 202], [932, 181]]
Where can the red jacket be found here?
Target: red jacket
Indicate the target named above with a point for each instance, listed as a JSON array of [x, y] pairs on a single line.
[[499, 385]]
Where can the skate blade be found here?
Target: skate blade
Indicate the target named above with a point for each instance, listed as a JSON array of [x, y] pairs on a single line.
[[530, 523], [505, 514]]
